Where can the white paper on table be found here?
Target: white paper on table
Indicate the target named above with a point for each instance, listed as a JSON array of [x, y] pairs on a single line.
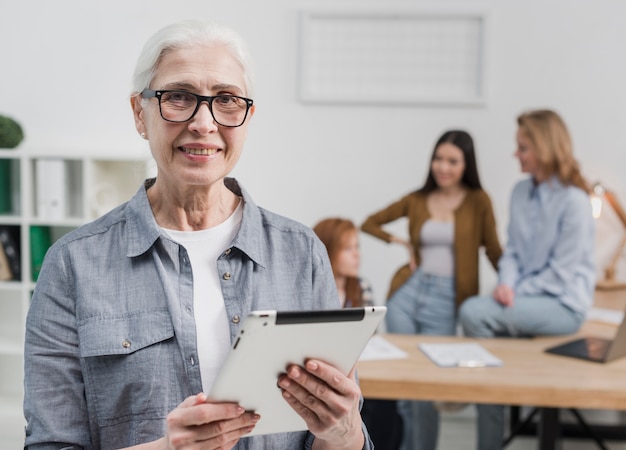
[[605, 315], [460, 355], [380, 348]]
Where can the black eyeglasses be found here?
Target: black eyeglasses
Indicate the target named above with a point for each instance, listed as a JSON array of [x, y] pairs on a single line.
[[181, 106]]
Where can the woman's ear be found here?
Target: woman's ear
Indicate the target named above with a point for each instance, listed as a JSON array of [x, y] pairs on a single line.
[[137, 107]]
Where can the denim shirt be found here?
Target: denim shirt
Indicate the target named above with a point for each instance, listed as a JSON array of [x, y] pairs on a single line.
[[111, 336], [550, 248]]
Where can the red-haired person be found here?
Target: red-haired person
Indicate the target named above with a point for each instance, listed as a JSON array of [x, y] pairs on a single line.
[[341, 238]]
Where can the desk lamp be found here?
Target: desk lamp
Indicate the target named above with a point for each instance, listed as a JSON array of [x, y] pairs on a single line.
[[598, 196]]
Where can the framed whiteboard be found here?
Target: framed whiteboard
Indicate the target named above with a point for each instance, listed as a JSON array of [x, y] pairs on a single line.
[[392, 57]]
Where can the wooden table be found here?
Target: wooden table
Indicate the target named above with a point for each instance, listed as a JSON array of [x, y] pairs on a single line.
[[528, 377]]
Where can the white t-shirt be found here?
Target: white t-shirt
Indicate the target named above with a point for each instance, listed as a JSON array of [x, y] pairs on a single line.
[[212, 330]]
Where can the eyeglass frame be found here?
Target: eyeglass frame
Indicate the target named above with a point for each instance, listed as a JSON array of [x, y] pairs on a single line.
[[152, 93]]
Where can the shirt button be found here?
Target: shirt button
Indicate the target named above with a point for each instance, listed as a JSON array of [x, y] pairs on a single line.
[[188, 309], [236, 319], [126, 343], [226, 276], [227, 251]]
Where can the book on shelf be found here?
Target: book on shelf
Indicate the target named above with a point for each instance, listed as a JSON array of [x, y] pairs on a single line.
[[9, 240], [40, 241], [5, 186]]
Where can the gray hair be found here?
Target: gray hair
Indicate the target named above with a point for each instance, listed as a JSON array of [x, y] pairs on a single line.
[[185, 34]]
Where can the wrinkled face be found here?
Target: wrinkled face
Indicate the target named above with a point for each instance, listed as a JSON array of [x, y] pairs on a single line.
[[448, 165], [198, 152], [526, 154], [347, 259]]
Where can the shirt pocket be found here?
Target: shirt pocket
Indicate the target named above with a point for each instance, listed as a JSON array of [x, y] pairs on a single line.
[[124, 334], [130, 369]]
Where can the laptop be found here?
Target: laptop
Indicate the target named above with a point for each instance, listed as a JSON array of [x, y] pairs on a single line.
[[595, 349]]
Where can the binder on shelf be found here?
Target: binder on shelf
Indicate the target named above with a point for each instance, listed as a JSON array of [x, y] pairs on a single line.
[[5, 186], [40, 241], [9, 240], [50, 184]]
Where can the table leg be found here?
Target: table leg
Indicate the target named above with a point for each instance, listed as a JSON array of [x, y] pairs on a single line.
[[549, 429]]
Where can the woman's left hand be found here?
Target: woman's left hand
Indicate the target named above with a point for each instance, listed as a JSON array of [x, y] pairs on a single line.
[[328, 401]]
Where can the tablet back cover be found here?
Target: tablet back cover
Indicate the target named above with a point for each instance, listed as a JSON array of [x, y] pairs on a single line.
[[269, 341]]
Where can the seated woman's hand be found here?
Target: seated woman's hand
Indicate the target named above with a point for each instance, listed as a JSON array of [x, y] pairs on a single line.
[[196, 423], [328, 401], [504, 295]]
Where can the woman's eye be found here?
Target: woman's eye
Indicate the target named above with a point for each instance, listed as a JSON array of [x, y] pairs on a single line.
[[225, 99], [180, 97]]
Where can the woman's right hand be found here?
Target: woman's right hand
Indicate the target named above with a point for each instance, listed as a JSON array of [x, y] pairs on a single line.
[[197, 424], [504, 294]]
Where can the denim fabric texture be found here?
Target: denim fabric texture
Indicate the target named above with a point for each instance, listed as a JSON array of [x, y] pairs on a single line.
[[110, 336], [425, 304], [530, 315]]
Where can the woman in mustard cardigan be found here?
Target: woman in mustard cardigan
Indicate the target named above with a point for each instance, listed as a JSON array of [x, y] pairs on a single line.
[[450, 219]]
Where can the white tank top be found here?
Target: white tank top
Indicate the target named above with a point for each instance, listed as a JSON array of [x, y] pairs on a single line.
[[212, 330], [437, 248]]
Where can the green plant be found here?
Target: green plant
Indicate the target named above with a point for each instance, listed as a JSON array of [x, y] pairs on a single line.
[[11, 133]]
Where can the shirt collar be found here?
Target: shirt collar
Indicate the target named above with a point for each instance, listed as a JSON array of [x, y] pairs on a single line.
[[143, 230], [251, 229], [546, 189]]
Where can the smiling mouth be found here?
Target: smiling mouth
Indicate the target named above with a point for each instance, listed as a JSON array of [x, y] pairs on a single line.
[[199, 151]]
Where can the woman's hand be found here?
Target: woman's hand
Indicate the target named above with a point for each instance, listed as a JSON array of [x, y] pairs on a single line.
[[200, 425], [328, 401], [504, 295]]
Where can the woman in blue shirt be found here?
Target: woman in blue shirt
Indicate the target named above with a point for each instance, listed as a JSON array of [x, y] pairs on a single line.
[[547, 273]]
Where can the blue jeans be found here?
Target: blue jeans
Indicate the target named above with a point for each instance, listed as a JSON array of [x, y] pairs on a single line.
[[482, 316], [425, 304]]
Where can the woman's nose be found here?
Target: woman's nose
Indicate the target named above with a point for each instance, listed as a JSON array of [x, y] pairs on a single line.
[[203, 121]]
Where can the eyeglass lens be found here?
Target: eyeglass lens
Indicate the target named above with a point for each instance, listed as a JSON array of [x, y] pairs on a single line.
[[180, 106]]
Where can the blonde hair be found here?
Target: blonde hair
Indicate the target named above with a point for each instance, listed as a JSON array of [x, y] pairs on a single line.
[[553, 146]]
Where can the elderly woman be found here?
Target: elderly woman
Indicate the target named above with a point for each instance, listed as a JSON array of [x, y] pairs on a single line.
[[133, 314]]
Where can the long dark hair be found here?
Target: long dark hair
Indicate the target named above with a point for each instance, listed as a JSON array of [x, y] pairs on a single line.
[[465, 143]]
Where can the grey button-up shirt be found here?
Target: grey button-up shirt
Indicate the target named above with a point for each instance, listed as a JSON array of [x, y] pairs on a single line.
[[111, 336]]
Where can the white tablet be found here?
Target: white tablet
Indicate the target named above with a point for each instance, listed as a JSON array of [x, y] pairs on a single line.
[[271, 340]]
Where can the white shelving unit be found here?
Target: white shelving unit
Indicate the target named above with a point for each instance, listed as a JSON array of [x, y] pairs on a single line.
[[92, 185]]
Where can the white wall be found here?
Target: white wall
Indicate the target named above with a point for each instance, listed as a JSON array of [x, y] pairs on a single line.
[[66, 68]]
